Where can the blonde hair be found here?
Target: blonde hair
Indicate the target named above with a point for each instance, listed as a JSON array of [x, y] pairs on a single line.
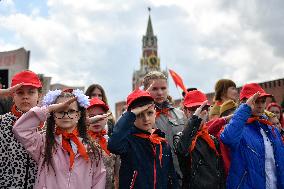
[[151, 76], [269, 114]]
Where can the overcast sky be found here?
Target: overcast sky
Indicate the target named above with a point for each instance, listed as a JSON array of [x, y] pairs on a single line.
[[84, 42]]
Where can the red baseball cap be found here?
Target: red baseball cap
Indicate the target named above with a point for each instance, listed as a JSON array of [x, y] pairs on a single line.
[[136, 94], [194, 98], [28, 78], [98, 102], [250, 89]]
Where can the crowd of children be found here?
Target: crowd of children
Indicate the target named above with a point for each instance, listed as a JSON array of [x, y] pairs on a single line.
[[69, 139]]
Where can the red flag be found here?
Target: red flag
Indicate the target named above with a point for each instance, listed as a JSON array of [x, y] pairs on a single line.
[[178, 80]]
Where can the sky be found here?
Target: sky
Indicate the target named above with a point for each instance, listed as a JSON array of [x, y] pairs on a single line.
[[84, 42]]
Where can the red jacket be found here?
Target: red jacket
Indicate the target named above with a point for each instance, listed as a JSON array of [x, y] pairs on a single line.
[[215, 127]]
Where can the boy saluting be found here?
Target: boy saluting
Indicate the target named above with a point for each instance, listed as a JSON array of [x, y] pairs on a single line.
[[146, 159]]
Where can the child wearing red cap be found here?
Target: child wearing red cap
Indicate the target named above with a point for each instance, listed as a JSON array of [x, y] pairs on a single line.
[[146, 159], [256, 148], [17, 168], [198, 152], [276, 109], [170, 120], [96, 90], [66, 156], [97, 131], [274, 120]]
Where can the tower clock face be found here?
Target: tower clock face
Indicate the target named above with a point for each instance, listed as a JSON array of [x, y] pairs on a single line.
[[153, 61]]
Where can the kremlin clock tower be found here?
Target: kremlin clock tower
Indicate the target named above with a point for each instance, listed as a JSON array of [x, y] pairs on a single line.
[[149, 60]]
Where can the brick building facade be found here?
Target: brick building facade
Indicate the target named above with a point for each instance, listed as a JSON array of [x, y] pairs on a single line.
[[274, 87]]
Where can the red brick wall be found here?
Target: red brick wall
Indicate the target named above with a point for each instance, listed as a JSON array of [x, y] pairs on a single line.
[[274, 87]]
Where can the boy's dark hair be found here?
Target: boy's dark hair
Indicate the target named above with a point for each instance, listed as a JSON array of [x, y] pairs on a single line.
[[139, 102]]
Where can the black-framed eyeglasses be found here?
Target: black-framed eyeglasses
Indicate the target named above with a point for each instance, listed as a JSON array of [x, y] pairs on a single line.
[[70, 114]]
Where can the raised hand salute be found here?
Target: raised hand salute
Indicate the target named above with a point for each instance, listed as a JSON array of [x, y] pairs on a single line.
[[10, 90]]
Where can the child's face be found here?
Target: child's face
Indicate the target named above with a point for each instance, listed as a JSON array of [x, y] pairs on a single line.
[[259, 106], [275, 110], [100, 125], [232, 93], [68, 118], [189, 111], [146, 120], [26, 97], [275, 122], [159, 90], [97, 93]]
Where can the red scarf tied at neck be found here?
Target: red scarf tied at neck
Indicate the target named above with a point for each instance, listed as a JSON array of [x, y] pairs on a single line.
[[101, 139], [19, 113], [263, 121], [164, 111], [66, 137], [16, 112], [154, 139], [205, 136]]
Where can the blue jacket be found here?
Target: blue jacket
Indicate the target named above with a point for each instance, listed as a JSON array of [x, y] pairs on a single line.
[[248, 152], [140, 164]]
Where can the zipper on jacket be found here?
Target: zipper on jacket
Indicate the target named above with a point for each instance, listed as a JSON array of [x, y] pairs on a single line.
[[252, 150], [27, 171], [155, 168], [134, 176], [69, 178], [242, 180]]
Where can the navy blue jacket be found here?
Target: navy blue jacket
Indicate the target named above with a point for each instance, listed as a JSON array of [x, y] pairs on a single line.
[[140, 164], [248, 152]]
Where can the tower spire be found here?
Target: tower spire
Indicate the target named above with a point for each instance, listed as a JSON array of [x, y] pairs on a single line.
[[149, 31], [149, 60]]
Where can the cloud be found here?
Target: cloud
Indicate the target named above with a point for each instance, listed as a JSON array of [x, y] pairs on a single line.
[[243, 39], [265, 17], [80, 43]]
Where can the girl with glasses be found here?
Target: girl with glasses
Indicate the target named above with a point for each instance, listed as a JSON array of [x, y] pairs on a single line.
[[65, 155]]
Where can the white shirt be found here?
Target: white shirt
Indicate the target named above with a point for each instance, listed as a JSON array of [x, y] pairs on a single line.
[[270, 169]]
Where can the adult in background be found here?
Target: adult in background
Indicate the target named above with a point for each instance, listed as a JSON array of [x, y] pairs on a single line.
[[96, 90], [225, 89], [170, 120]]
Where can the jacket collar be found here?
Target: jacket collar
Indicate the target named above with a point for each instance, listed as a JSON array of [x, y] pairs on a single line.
[[163, 105], [136, 130]]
